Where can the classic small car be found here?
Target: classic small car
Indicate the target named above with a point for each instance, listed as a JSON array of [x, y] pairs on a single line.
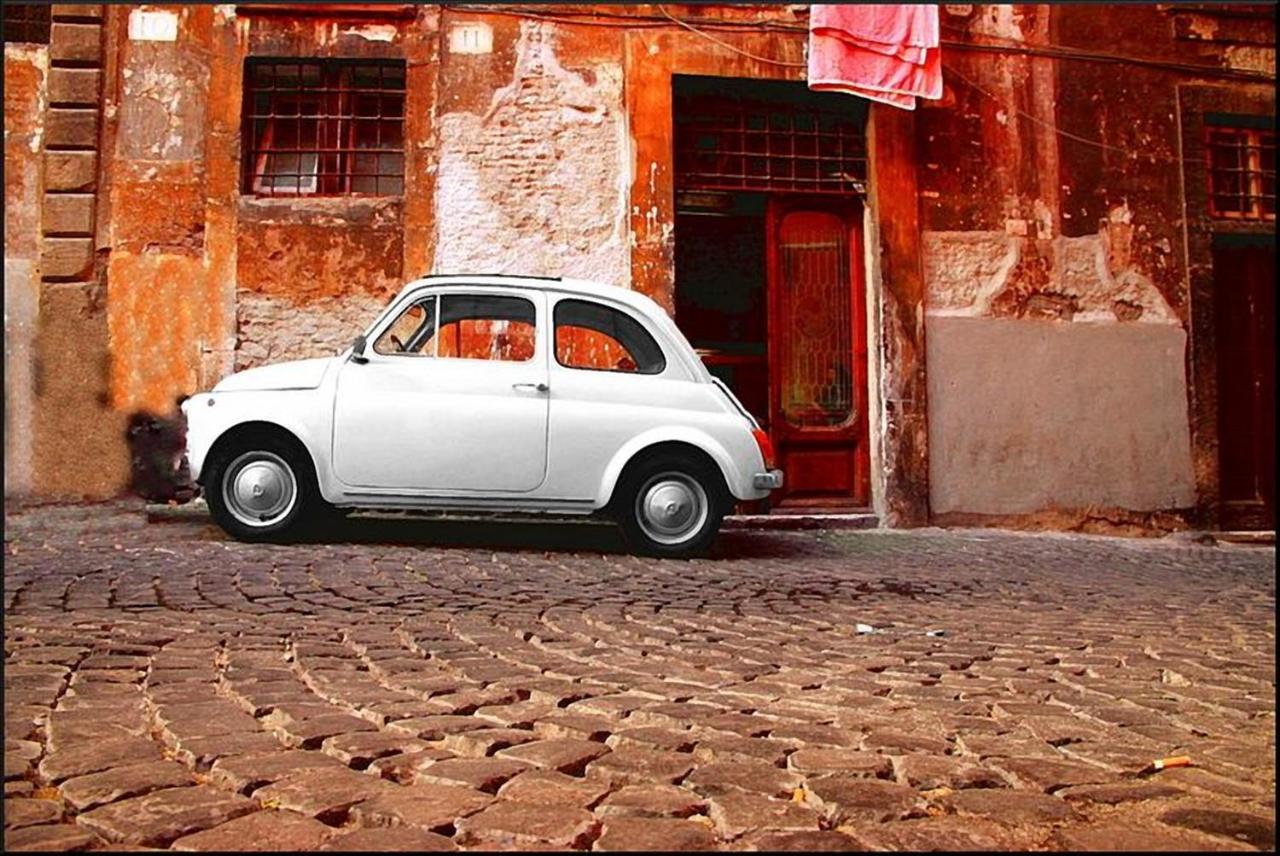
[[487, 393]]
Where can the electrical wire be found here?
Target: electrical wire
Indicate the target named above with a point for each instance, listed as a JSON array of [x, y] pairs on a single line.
[[992, 44], [726, 45]]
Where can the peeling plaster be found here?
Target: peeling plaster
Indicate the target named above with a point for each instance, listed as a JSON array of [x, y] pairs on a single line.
[[272, 330], [534, 185]]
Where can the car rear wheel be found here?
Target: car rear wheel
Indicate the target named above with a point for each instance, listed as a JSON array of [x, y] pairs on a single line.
[[670, 505], [262, 489]]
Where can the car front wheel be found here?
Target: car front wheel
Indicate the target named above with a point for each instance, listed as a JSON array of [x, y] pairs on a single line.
[[670, 505], [261, 490]]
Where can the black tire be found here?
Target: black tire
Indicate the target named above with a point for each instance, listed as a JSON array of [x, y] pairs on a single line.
[[272, 455], [671, 478]]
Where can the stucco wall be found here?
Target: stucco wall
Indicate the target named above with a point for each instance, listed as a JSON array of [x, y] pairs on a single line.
[[1033, 415], [26, 71]]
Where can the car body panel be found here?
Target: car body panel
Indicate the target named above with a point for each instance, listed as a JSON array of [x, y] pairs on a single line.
[[419, 431]]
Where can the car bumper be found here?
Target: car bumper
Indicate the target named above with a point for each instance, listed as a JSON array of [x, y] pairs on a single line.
[[771, 480]]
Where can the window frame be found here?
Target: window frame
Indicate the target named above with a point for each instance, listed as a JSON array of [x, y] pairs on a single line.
[[1251, 141], [28, 23], [644, 328], [338, 117], [439, 294]]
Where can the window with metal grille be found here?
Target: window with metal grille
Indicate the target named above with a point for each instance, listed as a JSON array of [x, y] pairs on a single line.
[[1242, 173], [729, 139], [324, 127], [26, 22]]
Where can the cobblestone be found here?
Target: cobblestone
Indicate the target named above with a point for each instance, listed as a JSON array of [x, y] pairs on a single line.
[[412, 685]]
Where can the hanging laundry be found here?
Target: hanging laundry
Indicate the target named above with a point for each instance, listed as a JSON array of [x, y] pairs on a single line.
[[884, 52]]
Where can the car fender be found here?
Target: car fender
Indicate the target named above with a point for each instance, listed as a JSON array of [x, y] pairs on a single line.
[[733, 474], [299, 412]]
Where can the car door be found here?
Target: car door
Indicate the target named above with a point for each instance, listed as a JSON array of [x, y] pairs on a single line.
[[452, 397]]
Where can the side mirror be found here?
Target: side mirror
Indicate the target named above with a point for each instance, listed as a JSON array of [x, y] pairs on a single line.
[[357, 350]]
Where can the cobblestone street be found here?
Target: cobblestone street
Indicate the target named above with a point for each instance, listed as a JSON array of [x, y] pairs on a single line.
[[423, 685]]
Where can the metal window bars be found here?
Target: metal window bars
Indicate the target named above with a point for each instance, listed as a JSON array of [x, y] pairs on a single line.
[[1242, 173], [737, 144], [324, 127], [27, 22]]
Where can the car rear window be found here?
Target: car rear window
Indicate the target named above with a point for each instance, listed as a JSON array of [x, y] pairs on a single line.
[[596, 337]]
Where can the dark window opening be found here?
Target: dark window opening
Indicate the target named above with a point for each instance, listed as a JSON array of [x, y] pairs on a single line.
[[324, 127], [594, 336], [27, 22], [769, 136], [1242, 173]]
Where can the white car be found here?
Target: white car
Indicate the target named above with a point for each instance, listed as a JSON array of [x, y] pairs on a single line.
[[487, 393]]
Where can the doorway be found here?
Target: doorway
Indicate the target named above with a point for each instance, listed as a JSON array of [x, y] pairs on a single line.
[[1244, 270], [769, 288]]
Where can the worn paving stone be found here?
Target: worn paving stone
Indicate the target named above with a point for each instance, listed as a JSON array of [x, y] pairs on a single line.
[[652, 801], [845, 762], [29, 812], [508, 824], [822, 841], [1114, 837], [246, 773], [326, 795], [404, 839], [641, 766], [270, 830], [159, 817], [81, 759], [737, 813], [58, 837], [842, 799], [667, 835], [548, 787], [85, 792], [563, 755], [428, 807], [482, 774], [1009, 806], [736, 677], [723, 776], [1249, 828]]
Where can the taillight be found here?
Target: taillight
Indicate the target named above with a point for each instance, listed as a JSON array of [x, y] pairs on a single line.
[[765, 444]]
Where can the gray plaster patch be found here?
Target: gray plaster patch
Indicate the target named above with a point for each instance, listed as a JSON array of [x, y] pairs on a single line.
[[1033, 415]]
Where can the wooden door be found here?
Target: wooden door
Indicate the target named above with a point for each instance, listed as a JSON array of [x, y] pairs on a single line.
[[817, 351], [1244, 270]]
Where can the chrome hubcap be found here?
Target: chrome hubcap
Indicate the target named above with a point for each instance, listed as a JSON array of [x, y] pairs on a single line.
[[259, 488], [671, 508]]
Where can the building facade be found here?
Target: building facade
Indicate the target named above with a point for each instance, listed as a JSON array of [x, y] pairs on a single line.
[[1045, 299]]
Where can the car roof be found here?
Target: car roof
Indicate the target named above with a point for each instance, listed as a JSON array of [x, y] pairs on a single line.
[[542, 283]]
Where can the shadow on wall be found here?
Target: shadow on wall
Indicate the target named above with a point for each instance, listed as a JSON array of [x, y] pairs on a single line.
[[157, 467]]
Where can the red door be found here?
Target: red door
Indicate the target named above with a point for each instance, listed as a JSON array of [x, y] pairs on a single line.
[[1244, 271], [817, 351]]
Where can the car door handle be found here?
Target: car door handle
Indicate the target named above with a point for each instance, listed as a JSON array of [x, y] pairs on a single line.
[[540, 387]]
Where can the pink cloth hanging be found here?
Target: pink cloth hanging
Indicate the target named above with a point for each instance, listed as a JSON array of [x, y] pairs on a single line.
[[884, 52]]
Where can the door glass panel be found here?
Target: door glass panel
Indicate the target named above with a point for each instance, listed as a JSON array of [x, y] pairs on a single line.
[[485, 327], [411, 332], [817, 365]]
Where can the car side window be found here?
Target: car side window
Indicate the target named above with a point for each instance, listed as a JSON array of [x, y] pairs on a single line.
[[411, 333], [596, 337], [485, 327]]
